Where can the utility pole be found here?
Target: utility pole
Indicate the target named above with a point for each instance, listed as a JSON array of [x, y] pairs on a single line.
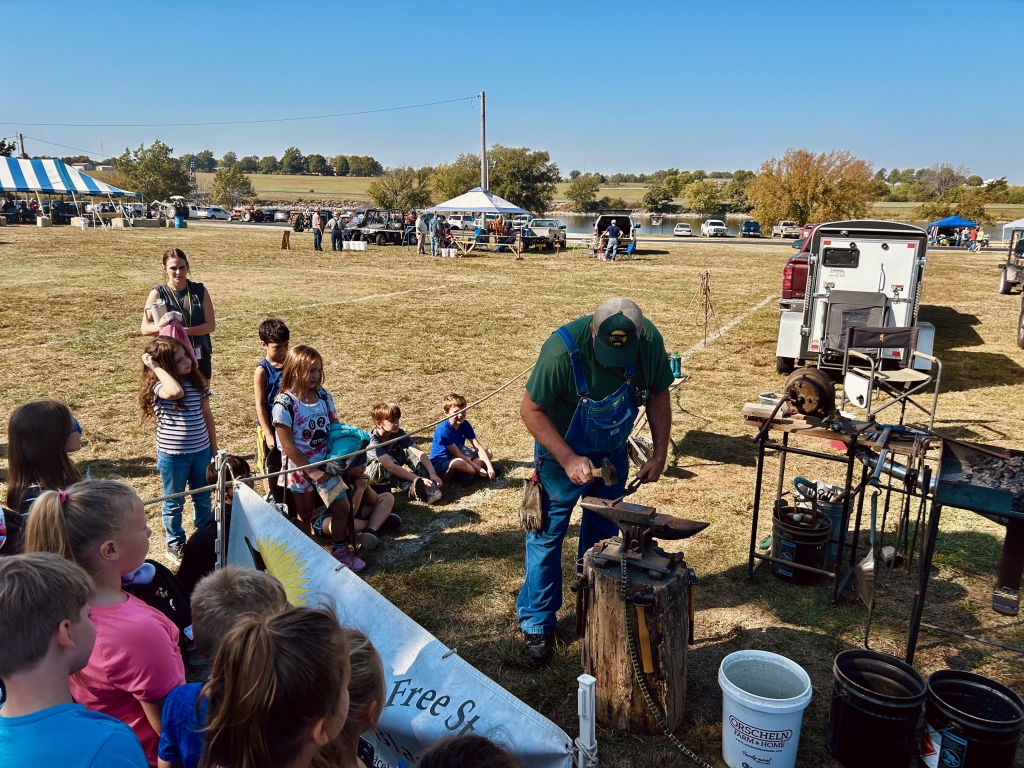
[[21, 141], [483, 141]]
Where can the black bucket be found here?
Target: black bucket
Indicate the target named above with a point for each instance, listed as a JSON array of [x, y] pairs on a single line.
[[970, 721], [876, 703], [796, 544]]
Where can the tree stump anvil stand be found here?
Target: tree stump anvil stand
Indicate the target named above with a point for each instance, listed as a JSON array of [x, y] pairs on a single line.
[[660, 589]]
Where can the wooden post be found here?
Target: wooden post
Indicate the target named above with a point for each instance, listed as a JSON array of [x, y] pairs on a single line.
[[620, 702]]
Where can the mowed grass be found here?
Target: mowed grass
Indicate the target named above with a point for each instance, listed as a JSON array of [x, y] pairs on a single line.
[[392, 325]]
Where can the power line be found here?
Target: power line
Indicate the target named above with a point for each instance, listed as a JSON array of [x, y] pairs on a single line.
[[64, 146], [242, 122]]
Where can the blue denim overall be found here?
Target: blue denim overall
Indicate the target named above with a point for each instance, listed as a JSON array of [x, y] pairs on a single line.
[[598, 431]]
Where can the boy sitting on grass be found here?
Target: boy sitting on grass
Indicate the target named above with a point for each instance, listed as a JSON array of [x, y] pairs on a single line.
[[401, 463], [217, 602], [449, 452], [46, 635]]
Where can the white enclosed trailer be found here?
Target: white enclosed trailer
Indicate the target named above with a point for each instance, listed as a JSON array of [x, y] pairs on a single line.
[[860, 273]]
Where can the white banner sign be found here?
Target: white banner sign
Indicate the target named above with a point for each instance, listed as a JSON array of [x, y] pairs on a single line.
[[431, 693]]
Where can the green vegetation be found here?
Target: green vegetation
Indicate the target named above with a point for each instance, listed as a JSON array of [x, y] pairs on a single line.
[[449, 180], [582, 191], [152, 171], [231, 186], [398, 188], [522, 176], [804, 186]]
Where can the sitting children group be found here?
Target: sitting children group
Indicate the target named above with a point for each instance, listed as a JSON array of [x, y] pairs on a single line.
[[349, 501]]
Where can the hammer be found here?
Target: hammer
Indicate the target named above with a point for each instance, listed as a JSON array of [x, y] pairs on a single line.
[[606, 472]]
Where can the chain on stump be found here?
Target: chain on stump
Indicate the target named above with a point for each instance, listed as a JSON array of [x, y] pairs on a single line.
[[655, 712]]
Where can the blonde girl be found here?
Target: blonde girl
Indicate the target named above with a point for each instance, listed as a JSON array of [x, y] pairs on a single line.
[[303, 413], [365, 698], [174, 394], [101, 525], [278, 691]]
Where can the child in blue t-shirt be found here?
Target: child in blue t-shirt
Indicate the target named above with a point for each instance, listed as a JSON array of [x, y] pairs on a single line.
[[449, 452], [46, 636], [217, 602]]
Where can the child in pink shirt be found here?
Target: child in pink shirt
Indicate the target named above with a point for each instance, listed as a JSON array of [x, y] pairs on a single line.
[[135, 663]]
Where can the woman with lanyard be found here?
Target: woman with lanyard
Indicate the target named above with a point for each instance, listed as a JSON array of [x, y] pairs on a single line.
[[189, 300]]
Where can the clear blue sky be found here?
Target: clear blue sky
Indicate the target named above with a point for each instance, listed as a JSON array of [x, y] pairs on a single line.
[[607, 86]]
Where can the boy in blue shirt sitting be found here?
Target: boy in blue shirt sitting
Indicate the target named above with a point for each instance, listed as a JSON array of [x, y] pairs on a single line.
[[217, 602], [449, 452], [46, 636]]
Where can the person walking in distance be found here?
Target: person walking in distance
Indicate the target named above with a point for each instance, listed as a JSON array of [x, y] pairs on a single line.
[[318, 230], [422, 231]]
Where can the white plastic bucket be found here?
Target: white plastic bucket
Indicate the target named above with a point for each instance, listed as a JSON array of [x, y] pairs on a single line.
[[763, 700]]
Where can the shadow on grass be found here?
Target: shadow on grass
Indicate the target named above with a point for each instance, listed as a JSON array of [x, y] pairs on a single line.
[[952, 329], [964, 370], [109, 469], [715, 448], [956, 429]]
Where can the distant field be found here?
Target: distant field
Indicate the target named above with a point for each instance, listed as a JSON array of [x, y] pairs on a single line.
[[274, 187], [905, 211]]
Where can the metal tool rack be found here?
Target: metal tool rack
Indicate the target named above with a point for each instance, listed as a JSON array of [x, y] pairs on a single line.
[[909, 450]]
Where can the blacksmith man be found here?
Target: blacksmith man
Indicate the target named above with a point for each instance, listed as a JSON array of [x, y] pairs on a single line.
[[581, 402]]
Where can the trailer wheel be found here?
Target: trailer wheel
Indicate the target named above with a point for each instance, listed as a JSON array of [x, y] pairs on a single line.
[[382, 239], [1005, 286], [1020, 326], [784, 365]]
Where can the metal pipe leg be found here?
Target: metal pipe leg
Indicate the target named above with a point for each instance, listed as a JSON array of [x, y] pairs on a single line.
[[925, 565], [757, 505]]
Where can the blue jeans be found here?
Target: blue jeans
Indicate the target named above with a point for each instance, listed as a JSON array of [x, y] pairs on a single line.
[[612, 249], [176, 472], [541, 595], [317, 237], [435, 245], [337, 238]]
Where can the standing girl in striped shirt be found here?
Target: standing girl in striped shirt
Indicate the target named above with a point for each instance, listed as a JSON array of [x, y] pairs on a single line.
[[175, 395]]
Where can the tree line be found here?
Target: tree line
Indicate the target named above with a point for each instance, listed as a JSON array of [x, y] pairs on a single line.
[[801, 185], [293, 162]]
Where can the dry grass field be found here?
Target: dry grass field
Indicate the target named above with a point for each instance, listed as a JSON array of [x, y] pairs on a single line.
[[393, 325]]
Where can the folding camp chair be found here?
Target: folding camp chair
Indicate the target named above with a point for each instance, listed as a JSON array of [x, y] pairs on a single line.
[[849, 309], [874, 344]]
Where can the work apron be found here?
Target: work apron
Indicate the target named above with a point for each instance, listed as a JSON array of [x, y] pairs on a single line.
[[598, 430]]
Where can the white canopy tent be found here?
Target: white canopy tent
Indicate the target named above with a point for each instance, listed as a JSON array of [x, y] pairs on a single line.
[[1018, 224], [477, 200]]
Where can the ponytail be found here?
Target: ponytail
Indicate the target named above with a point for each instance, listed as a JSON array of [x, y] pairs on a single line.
[[69, 522], [273, 678]]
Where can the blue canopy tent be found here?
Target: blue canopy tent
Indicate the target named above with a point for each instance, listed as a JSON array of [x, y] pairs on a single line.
[[54, 177], [953, 221]]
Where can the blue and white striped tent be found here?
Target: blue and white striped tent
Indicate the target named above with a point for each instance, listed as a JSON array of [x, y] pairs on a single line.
[[52, 176]]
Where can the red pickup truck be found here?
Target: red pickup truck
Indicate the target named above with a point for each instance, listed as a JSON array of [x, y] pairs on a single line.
[[794, 274]]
